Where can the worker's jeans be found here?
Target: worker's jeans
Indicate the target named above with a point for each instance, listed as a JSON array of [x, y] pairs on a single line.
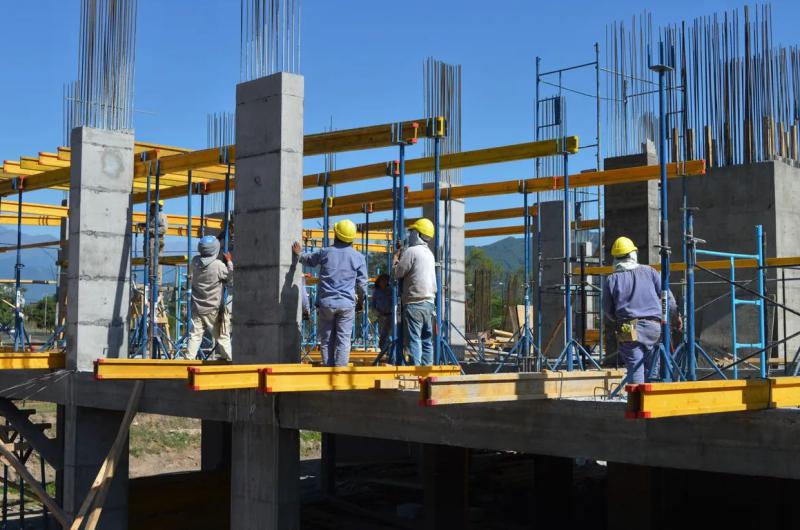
[[632, 353], [418, 326], [384, 331], [334, 328], [220, 328]]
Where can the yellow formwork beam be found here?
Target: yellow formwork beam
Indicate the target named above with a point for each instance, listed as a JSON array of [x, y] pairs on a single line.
[[716, 264], [481, 388], [478, 157], [283, 378], [520, 229], [230, 377], [116, 369], [32, 361], [373, 235]]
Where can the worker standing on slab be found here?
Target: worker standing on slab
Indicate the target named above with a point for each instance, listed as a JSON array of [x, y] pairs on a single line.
[[158, 229], [381, 305], [416, 266], [209, 276], [632, 302], [341, 291]]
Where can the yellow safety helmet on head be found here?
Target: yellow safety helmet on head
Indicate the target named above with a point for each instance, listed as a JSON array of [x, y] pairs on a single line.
[[622, 247], [423, 226], [345, 230]]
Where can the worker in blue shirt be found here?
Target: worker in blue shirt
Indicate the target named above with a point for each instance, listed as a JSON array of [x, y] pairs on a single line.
[[381, 305], [632, 302], [343, 270]]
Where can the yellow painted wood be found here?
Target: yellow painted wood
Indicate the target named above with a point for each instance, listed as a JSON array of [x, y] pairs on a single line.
[[283, 378], [32, 361], [116, 369]]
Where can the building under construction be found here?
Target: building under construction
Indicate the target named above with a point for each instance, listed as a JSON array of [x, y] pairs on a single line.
[[694, 147]]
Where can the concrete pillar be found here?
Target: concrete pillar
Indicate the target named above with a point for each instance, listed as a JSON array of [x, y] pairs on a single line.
[[552, 242], [632, 209], [99, 246], [99, 261], [266, 308], [215, 445], [456, 290], [446, 481]]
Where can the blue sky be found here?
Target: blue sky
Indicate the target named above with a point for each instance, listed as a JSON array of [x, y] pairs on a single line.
[[362, 61]]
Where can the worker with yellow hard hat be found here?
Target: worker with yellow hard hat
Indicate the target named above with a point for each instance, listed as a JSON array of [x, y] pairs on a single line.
[[632, 304], [415, 264], [158, 229], [341, 291]]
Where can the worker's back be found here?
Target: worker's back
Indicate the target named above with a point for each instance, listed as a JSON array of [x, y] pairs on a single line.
[[633, 293], [417, 269], [207, 285], [341, 267]]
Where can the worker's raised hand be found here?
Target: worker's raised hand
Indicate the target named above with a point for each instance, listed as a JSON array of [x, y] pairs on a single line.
[[296, 248], [228, 257]]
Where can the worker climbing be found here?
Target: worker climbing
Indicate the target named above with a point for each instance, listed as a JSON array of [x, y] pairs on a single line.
[[343, 271], [209, 276], [632, 302], [415, 265]]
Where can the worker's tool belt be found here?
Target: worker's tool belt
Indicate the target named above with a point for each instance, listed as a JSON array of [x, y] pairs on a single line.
[[626, 330]]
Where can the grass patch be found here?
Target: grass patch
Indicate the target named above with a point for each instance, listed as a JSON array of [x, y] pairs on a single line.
[[154, 435]]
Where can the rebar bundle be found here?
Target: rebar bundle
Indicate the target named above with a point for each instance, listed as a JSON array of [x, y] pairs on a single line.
[[733, 96], [269, 38], [219, 132], [106, 58], [442, 94], [69, 110]]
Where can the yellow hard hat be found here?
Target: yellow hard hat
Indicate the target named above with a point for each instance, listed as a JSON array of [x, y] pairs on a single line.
[[423, 226], [161, 202], [345, 230], [622, 247]]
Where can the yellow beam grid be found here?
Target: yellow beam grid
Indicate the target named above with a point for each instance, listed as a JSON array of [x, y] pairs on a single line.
[[112, 369], [52, 170], [716, 264], [32, 361], [284, 378], [472, 233], [663, 400], [483, 388], [419, 198]]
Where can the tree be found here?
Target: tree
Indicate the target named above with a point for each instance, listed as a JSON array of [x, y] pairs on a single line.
[[42, 313]]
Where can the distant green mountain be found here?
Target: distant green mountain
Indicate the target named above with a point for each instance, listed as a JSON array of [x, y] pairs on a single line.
[[507, 253]]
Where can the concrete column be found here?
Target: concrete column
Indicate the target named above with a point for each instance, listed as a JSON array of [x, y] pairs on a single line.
[[552, 486], [632, 209], [266, 308], [456, 290], [215, 445], [98, 275], [446, 480], [552, 242], [99, 246]]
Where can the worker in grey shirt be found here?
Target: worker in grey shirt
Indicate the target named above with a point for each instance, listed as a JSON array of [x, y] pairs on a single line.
[[209, 276], [416, 266], [342, 272], [632, 302]]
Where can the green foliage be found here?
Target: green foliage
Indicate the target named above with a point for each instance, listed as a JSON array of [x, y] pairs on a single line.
[[42, 314]]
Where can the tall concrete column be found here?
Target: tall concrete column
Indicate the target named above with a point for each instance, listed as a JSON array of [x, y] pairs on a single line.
[[552, 303], [632, 209], [266, 308], [456, 290], [98, 276]]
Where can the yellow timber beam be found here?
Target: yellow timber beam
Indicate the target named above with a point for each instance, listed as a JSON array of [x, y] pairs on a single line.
[[483, 388], [32, 361], [114, 369], [478, 157], [520, 229], [373, 235], [283, 378], [11, 281], [164, 260], [230, 377], [716, 264]]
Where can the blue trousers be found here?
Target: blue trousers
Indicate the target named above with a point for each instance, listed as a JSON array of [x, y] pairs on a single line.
[[418, 326], [334, 328], [384, 331], [632, 353]]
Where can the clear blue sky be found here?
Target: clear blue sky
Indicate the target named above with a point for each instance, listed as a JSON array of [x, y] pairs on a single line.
[[362, 61]]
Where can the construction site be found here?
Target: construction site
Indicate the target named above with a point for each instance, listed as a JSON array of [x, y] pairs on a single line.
[[125, 407]]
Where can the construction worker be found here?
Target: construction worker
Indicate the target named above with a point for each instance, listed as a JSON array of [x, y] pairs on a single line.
[[157, 237], [415, 265], [632, 302], [381, 305], [343, 271], [209, 276]]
